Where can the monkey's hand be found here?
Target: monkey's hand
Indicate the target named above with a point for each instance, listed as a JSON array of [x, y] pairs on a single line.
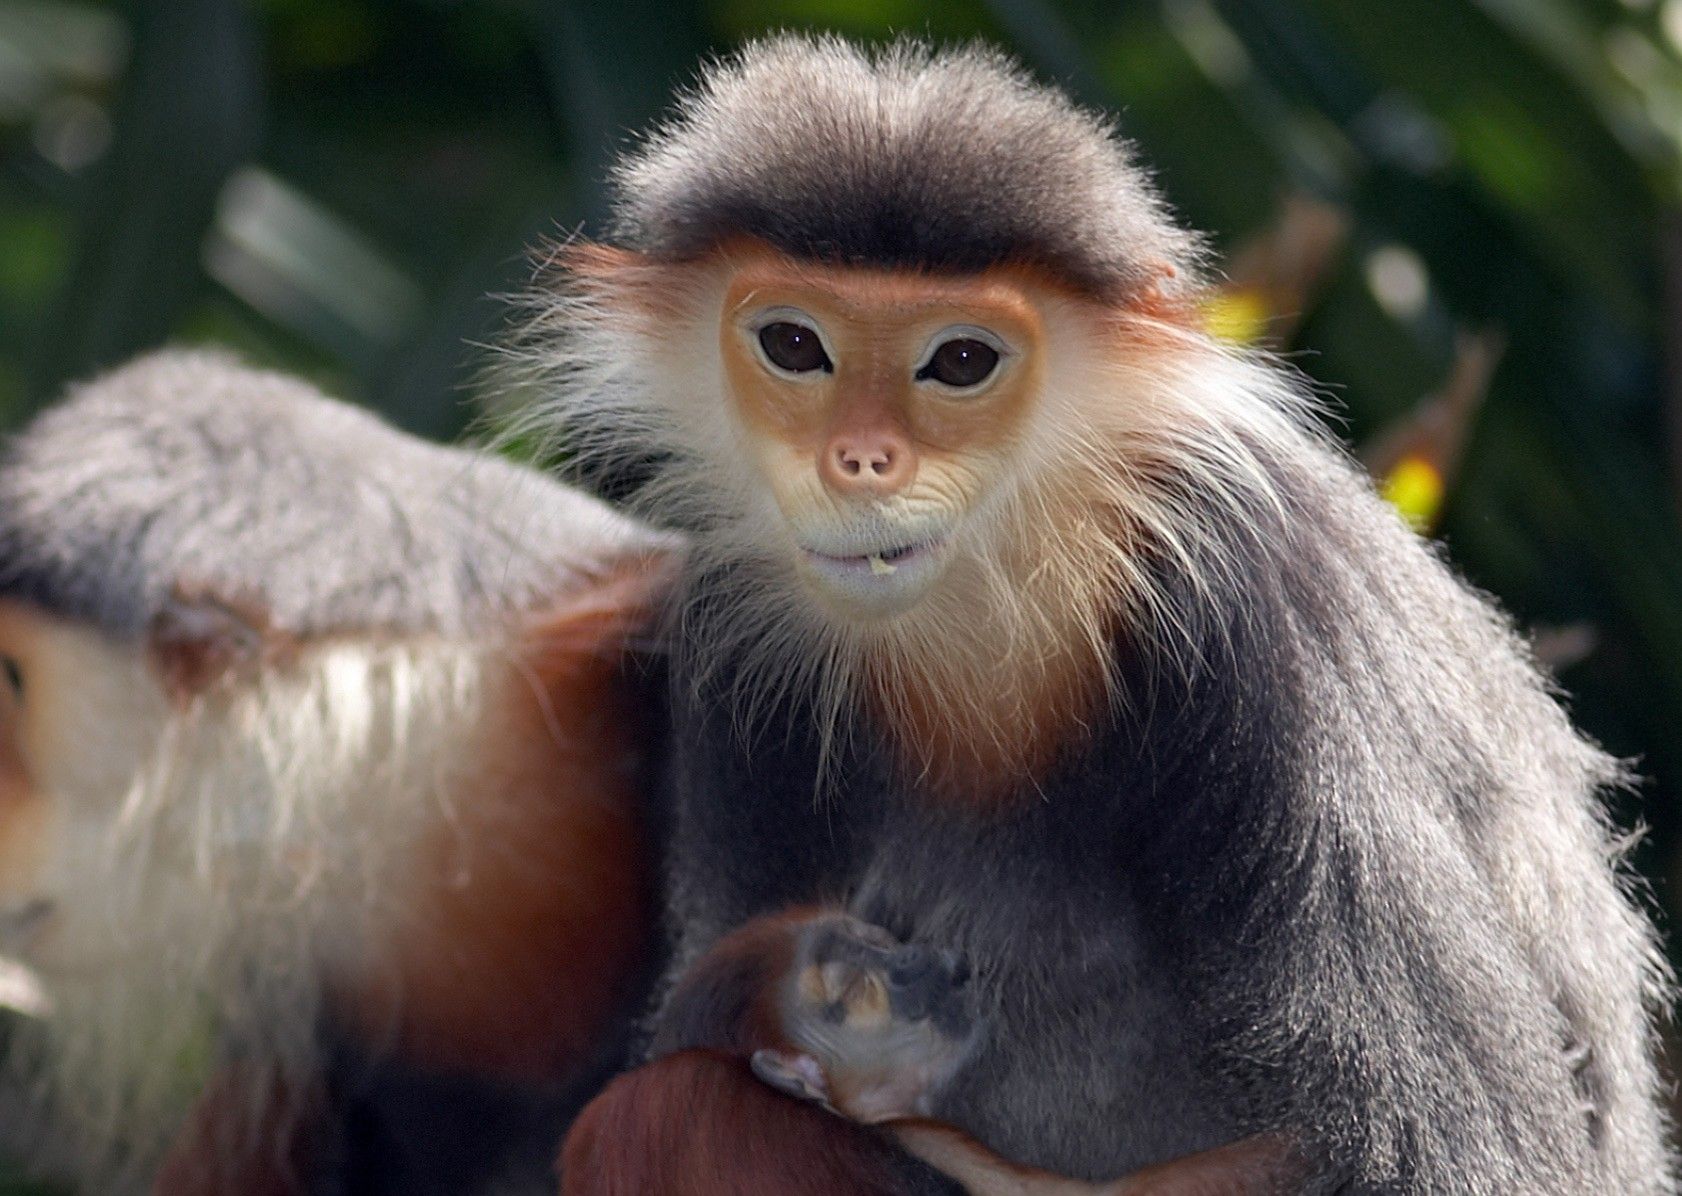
[[877, 1026]]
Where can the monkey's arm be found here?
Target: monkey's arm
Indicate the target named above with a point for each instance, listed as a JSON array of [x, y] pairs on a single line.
[[840, 1015], [1263, 1165], [877, 1028], [1349, 937]]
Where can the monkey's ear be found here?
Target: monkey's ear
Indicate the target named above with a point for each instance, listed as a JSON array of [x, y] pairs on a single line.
[[203, 636], [632, 283], [590, 259], [795, 1075]]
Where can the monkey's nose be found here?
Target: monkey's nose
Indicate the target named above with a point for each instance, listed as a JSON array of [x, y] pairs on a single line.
[[877, 465]]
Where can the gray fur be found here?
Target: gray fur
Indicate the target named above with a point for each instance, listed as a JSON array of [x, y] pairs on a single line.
[[188, 467], [950, 160], [1335, 862], [1345, 873]]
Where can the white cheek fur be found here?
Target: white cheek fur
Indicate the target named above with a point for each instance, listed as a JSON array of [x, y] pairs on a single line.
[[1043, 558], [253, 848]]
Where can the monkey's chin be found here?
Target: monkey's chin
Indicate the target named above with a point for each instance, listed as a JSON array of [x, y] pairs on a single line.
[[873, 586]]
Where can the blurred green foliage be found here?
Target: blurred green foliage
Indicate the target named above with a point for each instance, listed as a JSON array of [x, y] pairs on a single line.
[[340, 187]]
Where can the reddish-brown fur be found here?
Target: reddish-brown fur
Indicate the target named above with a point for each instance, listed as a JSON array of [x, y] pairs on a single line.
[[697, 1123], [727, 999], [222, 1152], [531, 915], [959, 759]]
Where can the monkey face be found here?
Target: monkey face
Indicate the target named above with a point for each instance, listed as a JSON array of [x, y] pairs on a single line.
[[887, 1024], [78, 714], [137, 819], [881, 410], [23, 814]]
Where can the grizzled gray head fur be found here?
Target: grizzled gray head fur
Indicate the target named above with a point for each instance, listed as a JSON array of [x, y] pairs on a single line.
[[187, 467], [905, 156]]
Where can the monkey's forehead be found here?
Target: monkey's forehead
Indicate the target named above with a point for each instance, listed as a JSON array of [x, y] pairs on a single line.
[[905, 156], [188, 468]]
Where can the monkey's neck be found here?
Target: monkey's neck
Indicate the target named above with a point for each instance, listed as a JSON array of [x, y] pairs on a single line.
[[980, 695]]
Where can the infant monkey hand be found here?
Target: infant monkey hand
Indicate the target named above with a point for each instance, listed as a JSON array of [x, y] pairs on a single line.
[[875, 1027]]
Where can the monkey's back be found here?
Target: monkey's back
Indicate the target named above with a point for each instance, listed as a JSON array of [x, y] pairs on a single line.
[[186, 467]]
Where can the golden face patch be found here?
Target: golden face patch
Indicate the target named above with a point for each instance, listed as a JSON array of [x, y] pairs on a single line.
[[881, 333]]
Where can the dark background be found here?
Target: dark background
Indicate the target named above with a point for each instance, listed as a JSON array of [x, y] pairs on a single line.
[[336, 186]]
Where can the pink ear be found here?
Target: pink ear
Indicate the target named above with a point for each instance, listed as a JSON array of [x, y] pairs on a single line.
[[795, 1074]]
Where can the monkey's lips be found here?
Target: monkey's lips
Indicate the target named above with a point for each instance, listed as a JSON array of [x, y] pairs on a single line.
[[880, 563], [879, 581]]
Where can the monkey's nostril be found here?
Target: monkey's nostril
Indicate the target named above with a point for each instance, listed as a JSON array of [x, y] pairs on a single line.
[[865, 462]]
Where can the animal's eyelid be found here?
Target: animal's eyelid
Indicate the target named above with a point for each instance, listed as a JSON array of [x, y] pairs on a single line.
[[959, 332]]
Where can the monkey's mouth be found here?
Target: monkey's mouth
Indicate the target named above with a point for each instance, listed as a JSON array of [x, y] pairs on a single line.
[[882, 563], [874, 583]]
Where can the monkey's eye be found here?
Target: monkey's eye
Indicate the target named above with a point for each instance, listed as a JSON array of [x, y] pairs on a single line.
[[13, 674], [794, 347], [961, 363]]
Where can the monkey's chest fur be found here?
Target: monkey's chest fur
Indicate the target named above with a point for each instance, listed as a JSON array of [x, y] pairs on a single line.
[[1089, 1064]]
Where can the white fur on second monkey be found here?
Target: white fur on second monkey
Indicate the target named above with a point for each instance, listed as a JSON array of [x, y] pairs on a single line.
[[193, 875], [208, 869]]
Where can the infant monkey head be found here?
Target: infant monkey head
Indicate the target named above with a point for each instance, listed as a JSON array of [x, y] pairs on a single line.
[[874, 1028]]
